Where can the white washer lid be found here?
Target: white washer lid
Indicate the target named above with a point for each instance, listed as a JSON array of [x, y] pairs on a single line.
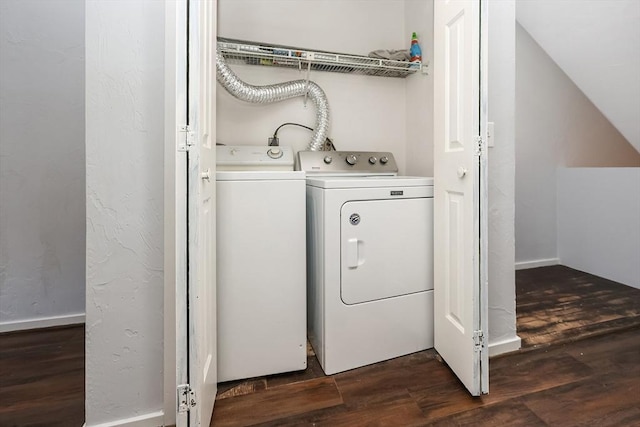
[[369, 181], [259, 175]]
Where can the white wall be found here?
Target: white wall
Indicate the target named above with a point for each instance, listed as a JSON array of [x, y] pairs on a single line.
[[501, 84], [41, 163], [555, 125], [596, 43], [124, 163], [367, 113], [418, 16], [541, 105], [599, 222]]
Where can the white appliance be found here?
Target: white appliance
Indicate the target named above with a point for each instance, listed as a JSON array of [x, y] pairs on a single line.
[[261, 265], [369, 259]]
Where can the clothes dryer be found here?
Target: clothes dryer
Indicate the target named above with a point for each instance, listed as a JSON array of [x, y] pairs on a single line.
[[369, 259]]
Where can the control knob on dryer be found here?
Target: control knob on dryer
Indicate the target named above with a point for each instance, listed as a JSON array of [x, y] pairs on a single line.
[[351, 159], [384, 160]]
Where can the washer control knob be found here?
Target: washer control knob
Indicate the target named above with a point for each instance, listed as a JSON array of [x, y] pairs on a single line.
[[275, 153], [328, 159], [373, 160], [351, 159], [384, 160]]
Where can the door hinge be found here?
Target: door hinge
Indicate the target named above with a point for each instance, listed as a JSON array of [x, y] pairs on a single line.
[[186, 138], [478, 340], [480, 144], [186, 398]]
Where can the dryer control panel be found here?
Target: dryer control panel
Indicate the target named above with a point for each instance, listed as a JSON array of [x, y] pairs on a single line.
[[347, 162]]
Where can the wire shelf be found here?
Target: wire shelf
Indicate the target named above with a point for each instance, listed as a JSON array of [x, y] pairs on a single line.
[[244, 52]]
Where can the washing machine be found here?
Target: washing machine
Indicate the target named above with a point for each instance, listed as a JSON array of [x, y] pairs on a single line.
[[261, 263], [369, 259]]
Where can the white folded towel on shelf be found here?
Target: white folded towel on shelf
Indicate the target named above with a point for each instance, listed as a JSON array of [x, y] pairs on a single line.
[[395, 55]]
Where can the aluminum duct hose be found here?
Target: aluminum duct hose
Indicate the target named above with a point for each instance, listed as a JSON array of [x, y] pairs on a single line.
[[278, 92]]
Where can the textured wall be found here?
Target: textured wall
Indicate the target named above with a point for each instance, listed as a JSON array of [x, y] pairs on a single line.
[[41, 160], [124, 162]]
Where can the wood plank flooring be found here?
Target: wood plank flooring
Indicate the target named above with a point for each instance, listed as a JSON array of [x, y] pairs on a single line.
[[42, 377], [558, 304], [590, 382], [595, 381], [560, 378]]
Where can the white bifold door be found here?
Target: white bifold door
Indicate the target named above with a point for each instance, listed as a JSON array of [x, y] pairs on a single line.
[[460, 222], [200, 145]]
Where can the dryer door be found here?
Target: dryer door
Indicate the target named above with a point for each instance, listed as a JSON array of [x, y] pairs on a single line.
[[386, 248]]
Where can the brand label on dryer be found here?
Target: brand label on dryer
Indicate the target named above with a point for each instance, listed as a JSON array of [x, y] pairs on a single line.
[[397, 192], [354, 219]]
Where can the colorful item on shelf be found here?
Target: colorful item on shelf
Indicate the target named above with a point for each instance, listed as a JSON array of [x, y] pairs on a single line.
[[416, 51]]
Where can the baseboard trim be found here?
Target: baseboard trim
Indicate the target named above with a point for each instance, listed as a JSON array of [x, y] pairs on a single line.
[[153, 419], [43, 322], [505, 346], [523, 265]]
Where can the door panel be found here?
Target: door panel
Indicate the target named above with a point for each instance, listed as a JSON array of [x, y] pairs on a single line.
[[201, 210], [454, 297], [455, 84], [387, 248], [459, 230]]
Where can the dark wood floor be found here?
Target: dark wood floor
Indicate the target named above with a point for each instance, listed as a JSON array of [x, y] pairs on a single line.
[[558, 304], [585, 370], [592, 382], [42, 377], [580, 365]]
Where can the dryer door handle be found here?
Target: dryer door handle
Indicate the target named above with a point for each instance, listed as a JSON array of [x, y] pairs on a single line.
[[355, 253]]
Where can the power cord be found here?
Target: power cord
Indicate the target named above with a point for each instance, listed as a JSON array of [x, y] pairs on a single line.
[[327, 146]]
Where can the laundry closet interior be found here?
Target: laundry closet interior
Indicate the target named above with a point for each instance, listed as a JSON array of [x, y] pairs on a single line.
[[368, 113], [373, 111]]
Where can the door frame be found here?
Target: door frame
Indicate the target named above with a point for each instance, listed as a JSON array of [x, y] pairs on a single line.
[[484, 194], [175, 209], [175, 260]]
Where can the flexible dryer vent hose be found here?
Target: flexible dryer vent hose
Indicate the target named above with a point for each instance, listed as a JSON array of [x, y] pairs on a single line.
[[279, 92]]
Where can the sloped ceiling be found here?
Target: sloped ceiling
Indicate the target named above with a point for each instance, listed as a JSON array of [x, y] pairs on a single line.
[[597, 44]]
